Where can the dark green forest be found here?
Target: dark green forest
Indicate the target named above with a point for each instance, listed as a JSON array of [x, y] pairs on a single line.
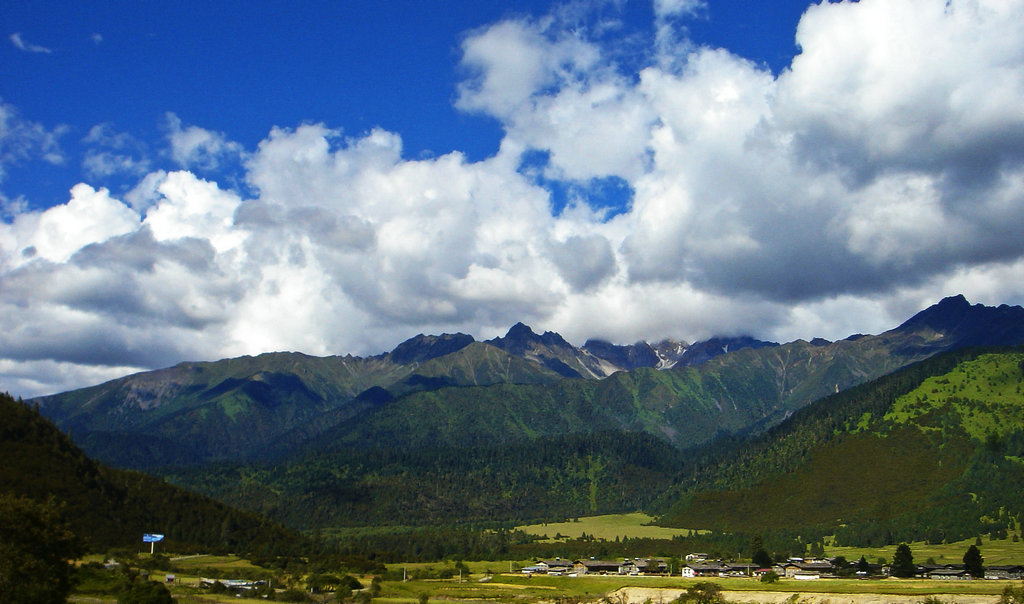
[[108, 508], [858, 466], [541, 479], [931, 452]]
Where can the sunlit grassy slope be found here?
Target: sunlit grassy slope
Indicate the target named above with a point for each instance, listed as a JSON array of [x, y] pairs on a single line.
[[945, 434], [606, 527], [985, 394]]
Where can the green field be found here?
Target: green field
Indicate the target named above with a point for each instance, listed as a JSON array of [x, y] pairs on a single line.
[[491, 583], [637, 525], [224, 563], [1003, 551], [517, 588], [608, 527]]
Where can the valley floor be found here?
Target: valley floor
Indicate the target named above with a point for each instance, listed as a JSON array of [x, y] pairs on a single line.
[[639, 595]]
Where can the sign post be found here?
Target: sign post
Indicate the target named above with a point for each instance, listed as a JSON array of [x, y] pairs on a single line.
[[151, 539]]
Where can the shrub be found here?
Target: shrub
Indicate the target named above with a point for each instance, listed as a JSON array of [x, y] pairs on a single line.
[[145, 592], [292, 595], [1012, 595]]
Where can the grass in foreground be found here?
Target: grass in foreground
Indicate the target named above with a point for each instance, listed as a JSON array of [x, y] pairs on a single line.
[[518, 588]]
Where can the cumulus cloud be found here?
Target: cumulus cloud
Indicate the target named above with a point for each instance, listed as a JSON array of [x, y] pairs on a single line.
[[193, 147], [583, 261], [56, 234], [881, 171]]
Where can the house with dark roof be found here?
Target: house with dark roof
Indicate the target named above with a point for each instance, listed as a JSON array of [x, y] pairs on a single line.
[[1013, 572], [555, 567], [949, 574], [598, 567], [706, 569]]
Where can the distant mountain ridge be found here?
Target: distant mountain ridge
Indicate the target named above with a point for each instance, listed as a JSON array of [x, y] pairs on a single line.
[[272, 404]]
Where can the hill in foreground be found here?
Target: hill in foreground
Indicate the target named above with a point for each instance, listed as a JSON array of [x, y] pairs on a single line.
[[932, 452], [110, 508]]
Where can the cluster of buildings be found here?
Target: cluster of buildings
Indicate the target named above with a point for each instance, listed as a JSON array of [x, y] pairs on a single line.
[[959, 571], [698, 565], [238, 585], [575, 568]]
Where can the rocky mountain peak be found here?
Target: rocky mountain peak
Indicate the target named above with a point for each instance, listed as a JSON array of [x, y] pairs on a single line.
[[422, 348], [521, 338], [701, 352], [941, 317], [970, 325], [628, 357]]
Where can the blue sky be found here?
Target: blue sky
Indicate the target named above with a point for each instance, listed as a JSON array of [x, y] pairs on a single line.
[[241, 71], [188, 181]]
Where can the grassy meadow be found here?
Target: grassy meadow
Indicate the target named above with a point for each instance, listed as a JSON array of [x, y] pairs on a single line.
[[1002, 551], [607, 527], [638, 525]]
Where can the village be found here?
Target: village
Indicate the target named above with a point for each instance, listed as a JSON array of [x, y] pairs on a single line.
[[800, 569]]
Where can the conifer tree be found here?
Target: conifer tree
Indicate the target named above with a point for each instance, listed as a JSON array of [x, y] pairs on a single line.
[[758, 554], [903, 562], [974, 562]]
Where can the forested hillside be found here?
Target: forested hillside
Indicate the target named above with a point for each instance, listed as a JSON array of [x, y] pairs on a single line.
[[546, 478], [113, 508], [930, 452]]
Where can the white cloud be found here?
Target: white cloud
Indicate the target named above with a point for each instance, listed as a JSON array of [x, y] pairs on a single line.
[[908, 84], [110, 152], [879, 173], [21, 378], [513, 61], [22, 140], [191, 207], [55, 234], [674, 8], [193, 147], [21, 44]]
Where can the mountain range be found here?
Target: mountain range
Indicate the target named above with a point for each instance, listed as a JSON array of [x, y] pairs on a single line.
[[731, 434], [451, 389]]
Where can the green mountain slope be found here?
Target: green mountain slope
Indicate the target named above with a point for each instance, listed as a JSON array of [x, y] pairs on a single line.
[[930, 452], [536, 479], [240, 408], [451, 391], [113, 508], [741, 392], [508, 421], [196, 411]]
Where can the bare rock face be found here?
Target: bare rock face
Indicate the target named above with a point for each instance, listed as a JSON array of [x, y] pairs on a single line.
[[423, 348]]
